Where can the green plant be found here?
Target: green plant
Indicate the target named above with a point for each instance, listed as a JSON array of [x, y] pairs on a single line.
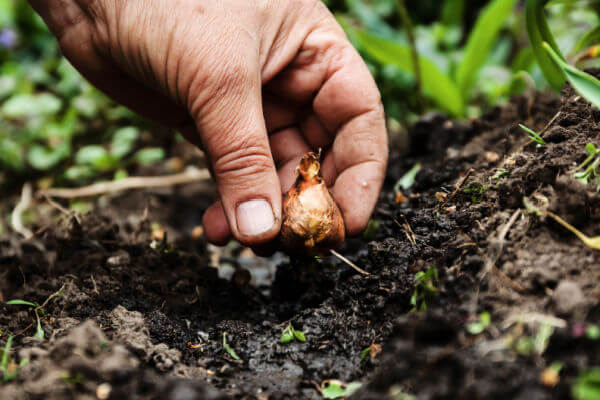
[[425, 289], [533, 135], [37, 309], [7, 366], [477, 191], [334, 389], [479, 326], [549, 57], [527, 345], [408, 179], [587, 171], [450, 91], [228, 348], [289, 334], [587, 385]]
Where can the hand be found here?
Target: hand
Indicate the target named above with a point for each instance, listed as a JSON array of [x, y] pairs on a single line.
[[255, 83]]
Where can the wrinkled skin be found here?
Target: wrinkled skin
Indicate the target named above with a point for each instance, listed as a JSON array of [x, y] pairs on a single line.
[[255, 83]]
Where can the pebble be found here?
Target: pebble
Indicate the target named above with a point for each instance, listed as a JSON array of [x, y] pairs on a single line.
[[118, 259], [568, 297]]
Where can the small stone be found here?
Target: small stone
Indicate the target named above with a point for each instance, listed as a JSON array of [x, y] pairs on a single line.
[[103, 391], [118, 259], [491, 156], [568, 298]]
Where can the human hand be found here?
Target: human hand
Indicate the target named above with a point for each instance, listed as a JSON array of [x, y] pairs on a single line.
[[255, 83]]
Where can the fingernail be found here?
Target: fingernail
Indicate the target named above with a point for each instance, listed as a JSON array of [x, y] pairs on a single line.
[[254, 217]]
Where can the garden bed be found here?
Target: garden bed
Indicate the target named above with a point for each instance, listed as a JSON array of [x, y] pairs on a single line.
[[151, 321]]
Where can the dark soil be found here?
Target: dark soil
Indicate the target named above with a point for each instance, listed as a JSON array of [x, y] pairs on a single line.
[[150, 321]]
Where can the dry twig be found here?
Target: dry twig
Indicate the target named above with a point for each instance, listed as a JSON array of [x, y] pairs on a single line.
[[350, 263], [137, 182], [20, 208]]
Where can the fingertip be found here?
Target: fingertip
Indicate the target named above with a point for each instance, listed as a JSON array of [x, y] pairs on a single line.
[[216, 228]]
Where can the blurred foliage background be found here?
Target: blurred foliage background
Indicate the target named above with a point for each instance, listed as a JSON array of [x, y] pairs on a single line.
[[58, 130]]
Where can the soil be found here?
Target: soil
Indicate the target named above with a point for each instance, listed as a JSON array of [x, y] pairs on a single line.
[[142, 321]]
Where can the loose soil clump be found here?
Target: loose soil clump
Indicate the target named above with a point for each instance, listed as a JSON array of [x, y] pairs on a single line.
[[179, 319]]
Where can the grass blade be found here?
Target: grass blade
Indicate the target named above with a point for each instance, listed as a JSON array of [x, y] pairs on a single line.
[[585, 84], [437, 86], [21, 303], [590, 38], [481, 39], [539, 32]]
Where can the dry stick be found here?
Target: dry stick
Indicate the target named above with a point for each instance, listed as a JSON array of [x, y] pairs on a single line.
[[67, 212], [138, 182], [549, 124], [20, 208], [350, 263], [458, 187]]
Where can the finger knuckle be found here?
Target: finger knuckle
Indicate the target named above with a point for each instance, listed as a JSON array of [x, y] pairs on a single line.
[[242, 160]]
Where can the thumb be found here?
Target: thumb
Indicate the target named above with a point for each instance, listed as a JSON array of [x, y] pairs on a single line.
[[234, 135]]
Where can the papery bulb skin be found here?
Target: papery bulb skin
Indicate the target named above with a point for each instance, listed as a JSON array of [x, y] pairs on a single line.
[[312, 222]]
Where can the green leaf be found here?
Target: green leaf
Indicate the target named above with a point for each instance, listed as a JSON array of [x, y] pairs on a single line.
[[475, 328], [335, 389], [123, 141], [22, 303], [589, 39], [6, 354], [539, 32], [78, 173], [31, 105], [286, 336], [39, 332], [44, 158], [149, 155], [587, 386], [481, 40], [408, 179], [299, 335], [228, 348], [591, 149], [11, 154], [96, 156], [436, 84], [592, 332], [365, 352], [585, 84], [534, 136], [453, 12]]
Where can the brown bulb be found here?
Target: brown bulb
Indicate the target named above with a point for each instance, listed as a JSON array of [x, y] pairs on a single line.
[[312, 222]]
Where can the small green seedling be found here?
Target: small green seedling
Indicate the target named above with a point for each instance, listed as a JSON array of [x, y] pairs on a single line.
[[527, 346], [477, 191], [499, 174], [587, 385], [228, 348], [533, 135], [592, 332], [334, 389], [587, 172], [289, 334], [371, 230], [479, 326], [39, 332], [7, 366], [425, 289], [365, 352], [37, 309], [408, 179]]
